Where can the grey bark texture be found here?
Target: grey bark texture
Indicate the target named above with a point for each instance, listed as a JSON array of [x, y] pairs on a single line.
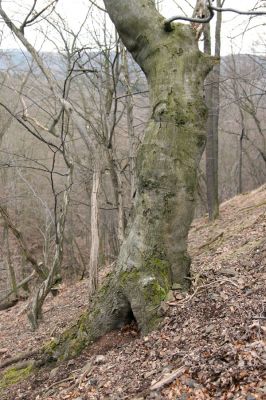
[[213, 103], [153, 256]]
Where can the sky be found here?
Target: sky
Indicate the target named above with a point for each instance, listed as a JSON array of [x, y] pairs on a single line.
[[73, 11]]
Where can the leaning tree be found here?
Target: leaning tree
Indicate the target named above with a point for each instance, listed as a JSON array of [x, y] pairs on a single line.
[[153, 258]]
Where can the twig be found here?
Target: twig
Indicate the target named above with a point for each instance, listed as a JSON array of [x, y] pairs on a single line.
[[226, 280], [69, 378], [168, 379], [253, 206], [213, 283], [212, 240]]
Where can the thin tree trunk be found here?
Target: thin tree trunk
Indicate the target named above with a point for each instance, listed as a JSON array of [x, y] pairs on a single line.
[[242, 134], [118, 194], [12, 275], [240, 166], [94, 251], [213, 103], [35, 313], [130, 124]]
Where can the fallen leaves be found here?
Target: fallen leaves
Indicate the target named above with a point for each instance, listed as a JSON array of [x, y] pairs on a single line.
[[211, 344], [168, 378]]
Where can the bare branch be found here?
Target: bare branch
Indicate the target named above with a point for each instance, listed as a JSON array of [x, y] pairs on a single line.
[[27, 117], [24, 23], [205, 20], [30, 21], [251, 12], [96, 5], [167, 23], [19, 34], [36, 135], [27, 253]]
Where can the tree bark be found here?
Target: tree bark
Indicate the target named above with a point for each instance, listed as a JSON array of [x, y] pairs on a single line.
[[12, 275], [240, 162], [154, 255], [130, 121], [174, 137], [213, 103], [94, 250], [35, 312]]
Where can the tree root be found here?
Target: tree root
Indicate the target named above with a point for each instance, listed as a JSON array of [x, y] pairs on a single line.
[[125, 296], [18, 358]]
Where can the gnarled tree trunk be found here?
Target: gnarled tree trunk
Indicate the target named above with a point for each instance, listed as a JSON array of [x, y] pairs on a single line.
[[153, 256]]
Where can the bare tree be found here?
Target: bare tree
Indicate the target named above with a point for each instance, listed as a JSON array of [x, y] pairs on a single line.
[[213, 103]]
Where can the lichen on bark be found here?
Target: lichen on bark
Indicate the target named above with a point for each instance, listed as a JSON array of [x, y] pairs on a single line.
[[154, 255]]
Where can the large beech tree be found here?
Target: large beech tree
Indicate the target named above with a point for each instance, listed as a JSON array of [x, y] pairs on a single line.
[[153, 257]]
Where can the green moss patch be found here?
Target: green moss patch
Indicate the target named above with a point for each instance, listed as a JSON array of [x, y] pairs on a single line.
[[71, 342], [14, 375]]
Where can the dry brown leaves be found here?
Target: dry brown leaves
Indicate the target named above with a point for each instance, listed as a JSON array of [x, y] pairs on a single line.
[[211, 344]]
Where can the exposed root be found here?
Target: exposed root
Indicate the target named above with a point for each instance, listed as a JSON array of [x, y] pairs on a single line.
[[18, 358]]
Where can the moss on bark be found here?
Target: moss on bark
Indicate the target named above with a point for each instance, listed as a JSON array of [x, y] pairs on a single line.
[[154, 255], [15, 374]]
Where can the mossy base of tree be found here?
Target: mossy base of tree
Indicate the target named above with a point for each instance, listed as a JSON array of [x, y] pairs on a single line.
[[124, 296], [16, 374]]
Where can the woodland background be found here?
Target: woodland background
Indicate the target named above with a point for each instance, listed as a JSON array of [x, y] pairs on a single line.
[[49, 163]]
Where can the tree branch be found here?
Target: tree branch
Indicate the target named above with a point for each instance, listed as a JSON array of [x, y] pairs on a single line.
[[28, 21], [143, 11], [167, 23], [27, 253], [251, 12], [96, 5]]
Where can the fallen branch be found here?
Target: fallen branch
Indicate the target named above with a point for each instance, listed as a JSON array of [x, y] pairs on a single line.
[[253, 206], [18, 358], [211, 241], [168, 379], [199, 288], [68, 379], [7, 304], [19, 285], [27, 253]]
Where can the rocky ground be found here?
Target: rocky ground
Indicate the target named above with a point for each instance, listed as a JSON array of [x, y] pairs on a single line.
[[211, 344]]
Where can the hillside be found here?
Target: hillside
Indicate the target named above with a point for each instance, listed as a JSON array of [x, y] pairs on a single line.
[[211, 344]]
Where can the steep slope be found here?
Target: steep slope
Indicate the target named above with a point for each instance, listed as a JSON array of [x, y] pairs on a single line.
[[212, 341]]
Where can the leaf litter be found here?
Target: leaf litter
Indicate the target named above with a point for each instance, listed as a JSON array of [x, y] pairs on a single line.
[[211, 344]]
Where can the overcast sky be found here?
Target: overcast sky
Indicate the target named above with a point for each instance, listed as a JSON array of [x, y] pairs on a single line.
[[74, 11]]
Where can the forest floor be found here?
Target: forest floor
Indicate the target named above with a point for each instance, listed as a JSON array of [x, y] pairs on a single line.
[[211, 344]]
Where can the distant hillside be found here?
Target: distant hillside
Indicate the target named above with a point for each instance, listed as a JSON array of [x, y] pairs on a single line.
[[16, 61]]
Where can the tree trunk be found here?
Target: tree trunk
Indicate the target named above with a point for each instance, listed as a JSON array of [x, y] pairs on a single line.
[[212, 100], [213, 103], [130, 121], [154, 255], [94, 250], [35, 312], [240, 162], [12, 275]]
